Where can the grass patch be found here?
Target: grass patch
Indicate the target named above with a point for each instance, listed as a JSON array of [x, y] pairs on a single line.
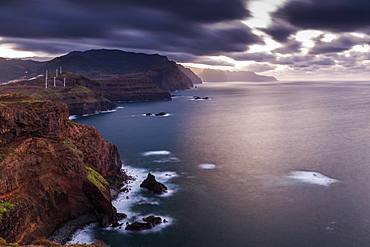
[[96, 178], [15, 98], [5, 207], [4, 243]]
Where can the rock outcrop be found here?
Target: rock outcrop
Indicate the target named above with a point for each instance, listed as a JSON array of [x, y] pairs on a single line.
[[153, 185], [52, 170], [148, 223]]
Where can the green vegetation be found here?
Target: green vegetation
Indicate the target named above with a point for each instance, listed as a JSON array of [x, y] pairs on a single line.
[[4, 243], [15, 98], [96, 178], [5, 207], [72, 147]]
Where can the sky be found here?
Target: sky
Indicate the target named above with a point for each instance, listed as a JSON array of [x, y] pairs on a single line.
[[289, 39]]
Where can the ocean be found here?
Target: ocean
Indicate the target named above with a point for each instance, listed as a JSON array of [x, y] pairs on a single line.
[[255, 164]]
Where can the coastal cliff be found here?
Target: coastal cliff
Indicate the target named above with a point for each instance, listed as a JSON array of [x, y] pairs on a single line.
[[96, 78], [52, 170], [97, 64]]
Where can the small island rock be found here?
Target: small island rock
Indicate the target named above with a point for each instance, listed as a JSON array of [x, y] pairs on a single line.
[[153, 185]]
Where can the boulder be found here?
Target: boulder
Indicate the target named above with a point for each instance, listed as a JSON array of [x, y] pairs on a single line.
[[153, 220]]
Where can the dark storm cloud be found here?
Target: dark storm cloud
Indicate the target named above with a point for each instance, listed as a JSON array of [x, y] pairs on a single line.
[[330, 15], [192, 26], [340, 44], [280, 30]]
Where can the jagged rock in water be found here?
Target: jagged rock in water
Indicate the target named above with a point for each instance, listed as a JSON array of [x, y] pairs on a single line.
[[200, 98], [154, 220], [139, 226], [149, 222], [153, 185], [161, 114]]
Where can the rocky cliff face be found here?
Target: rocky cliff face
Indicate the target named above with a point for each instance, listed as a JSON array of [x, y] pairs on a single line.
[[190, 74], [51, 170], [131, 87]]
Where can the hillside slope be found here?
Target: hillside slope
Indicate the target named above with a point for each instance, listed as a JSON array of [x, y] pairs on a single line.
[[95, 64]]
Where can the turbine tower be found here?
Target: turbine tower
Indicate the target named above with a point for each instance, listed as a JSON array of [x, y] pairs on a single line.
[[46, 79], [56, 73], [64, 82], [54, 81]]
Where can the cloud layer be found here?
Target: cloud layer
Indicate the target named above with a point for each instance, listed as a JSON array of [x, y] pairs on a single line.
[[196, 27], [196, 31]]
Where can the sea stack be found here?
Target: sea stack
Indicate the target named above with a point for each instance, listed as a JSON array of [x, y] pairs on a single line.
[[153, 185]]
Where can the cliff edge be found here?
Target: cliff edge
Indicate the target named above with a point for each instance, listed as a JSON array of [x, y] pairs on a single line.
[[52, 170]]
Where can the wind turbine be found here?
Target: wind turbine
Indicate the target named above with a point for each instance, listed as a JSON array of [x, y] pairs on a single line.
[[46, 79]]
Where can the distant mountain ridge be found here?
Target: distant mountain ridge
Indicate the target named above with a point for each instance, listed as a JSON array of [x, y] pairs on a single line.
[[212, 75], [95, 64]]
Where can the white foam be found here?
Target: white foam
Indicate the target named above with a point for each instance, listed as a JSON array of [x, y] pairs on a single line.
[[156, 153], [72, 117], [207, 166], [125, 201], [148, 201], [201, 99], [157, 228], [310, 177], [99, 112], [84, 236], [153, 115], [167, 160], [120, 107]]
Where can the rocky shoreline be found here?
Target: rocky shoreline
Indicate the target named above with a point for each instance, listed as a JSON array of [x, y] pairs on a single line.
[[65, 233], [132, 195]]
